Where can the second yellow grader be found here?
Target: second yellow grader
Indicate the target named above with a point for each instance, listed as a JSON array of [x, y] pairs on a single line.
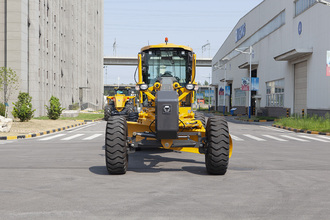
[[122, 103]]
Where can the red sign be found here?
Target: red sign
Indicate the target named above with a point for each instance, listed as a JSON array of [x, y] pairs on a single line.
[[245, 84], [221, 91]]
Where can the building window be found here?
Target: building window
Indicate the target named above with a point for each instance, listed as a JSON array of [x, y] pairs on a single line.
[[240, 97], [303, 5], [275, 93]]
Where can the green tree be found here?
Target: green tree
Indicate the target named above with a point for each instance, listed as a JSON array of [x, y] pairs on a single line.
[[8, 82], [206, 83], [54, 109], [23, 107]]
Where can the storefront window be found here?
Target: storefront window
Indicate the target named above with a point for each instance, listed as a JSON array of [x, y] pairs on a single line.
[[275, 93]]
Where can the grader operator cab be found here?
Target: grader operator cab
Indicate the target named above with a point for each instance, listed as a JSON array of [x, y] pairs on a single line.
[[166, 86], [122, 103]]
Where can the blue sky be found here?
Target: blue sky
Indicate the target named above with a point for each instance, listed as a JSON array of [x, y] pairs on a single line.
[[137, 23]]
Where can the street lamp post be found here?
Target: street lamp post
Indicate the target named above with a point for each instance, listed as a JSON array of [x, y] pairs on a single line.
[[323, 2], [250, 53], [224, 60], [224, 91], [209, 90]]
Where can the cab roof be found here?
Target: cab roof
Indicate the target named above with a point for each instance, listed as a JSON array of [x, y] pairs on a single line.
[[164, 45]]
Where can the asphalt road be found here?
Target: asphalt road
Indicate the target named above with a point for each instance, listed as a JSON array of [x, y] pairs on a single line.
[[273, 174]]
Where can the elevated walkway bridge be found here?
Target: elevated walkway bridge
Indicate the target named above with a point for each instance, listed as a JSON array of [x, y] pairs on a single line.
[[133, 61]]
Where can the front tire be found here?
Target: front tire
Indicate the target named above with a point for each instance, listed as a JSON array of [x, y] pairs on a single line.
[[217, 149], [116, 146]]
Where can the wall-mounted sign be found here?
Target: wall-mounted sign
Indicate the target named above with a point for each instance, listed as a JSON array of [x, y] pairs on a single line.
[[328, 63], [240, 32], [207, 94], [254, 84], [227, 92], [245, 84], [299, 28], [221, 91], [199, 96]]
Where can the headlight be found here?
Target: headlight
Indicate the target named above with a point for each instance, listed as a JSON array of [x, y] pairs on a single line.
[[143, 87], [190, 86]]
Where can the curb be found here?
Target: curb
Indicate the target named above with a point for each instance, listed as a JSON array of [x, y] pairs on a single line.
[[228, 115], [301, 130], [45, 132], [246, 120]]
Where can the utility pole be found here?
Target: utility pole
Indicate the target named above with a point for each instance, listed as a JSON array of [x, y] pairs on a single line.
[[114, 48], [205, 47]]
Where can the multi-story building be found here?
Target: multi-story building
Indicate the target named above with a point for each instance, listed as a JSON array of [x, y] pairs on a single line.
[[290, 55], [56, 48]]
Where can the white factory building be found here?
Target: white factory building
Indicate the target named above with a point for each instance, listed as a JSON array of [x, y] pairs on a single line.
[[288, 43], [56, 48]]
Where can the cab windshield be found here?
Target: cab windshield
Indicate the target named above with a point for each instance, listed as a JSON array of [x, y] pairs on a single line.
[[167, 63], [122, 91]]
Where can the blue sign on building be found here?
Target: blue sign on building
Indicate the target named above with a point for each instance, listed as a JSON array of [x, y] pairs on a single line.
[[240, 32], [300, 28], [255, 83]]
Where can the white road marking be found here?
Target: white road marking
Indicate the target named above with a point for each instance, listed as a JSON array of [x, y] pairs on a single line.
[[276, 129], [236, 138], [5, 142], [294, 138], [82, 127], [324, 137], [275, 138], [313, 138], [92, 137], [254, 137], [51, 137], [71, 137]]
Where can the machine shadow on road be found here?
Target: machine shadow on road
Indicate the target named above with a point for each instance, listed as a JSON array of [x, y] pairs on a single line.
[[155, 160]]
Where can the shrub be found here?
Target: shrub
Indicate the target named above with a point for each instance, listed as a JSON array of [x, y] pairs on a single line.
[[2, 109], [23, 107], [54, 109], [74, 106]]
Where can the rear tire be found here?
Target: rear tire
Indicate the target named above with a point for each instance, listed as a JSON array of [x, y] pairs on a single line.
[[107, 112], [133, 116], [129, 108], [201, 117], [116, 155], [217, 149]]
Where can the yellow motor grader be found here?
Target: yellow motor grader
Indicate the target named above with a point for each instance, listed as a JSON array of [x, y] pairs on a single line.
[[166, 86], [122, 103]]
